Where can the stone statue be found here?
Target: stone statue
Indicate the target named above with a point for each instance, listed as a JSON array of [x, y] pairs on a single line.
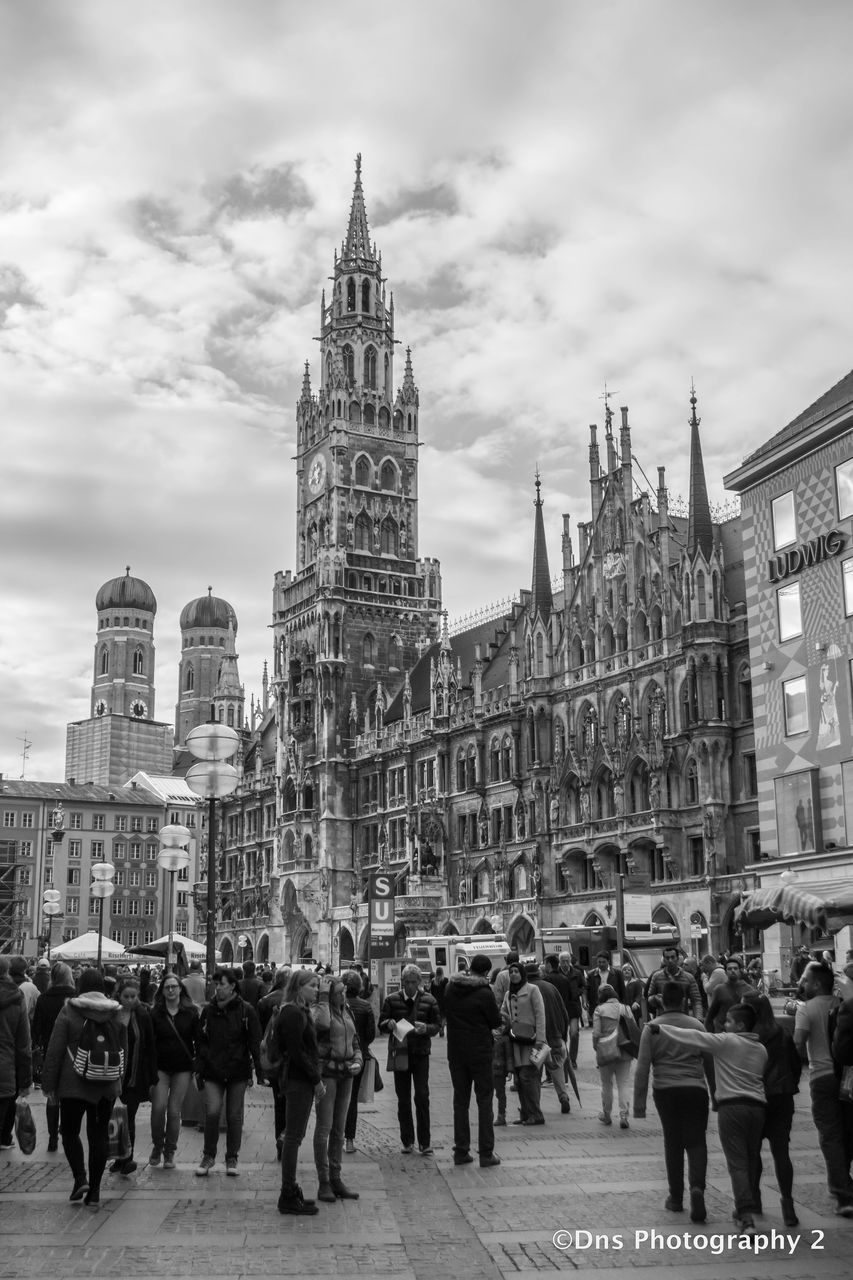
[[619, 798], [554, 812], [586, 811], [654, 791]]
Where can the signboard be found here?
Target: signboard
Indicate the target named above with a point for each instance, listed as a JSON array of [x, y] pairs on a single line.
[[380, 915], [638, 912]]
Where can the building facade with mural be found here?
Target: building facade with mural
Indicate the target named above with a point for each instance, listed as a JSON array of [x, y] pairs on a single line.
[[796, 492]]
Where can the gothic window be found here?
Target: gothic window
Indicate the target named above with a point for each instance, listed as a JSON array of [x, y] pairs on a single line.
[[189, 683], [355, 411], [350, 294], [388, 542], [395, 653], [577, 652], [700, 594], [745, 689], [408, 422], [506, 757], [471, 767], [368, 650], [494, 761], [370, 368], [460, 770], [389, 476], [362, 472], [138, 662], [348, 357], [369, 415], [328, 372], [589, 731], [691, 783], [387, 376], [105, 661], [715, 593], [384, 418], [231, 717], [363, 532], [398, 420], [365, 295], [540, 655]]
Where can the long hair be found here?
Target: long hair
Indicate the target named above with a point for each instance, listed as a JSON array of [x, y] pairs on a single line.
[[61, 975], [184, 1000], [298, 979], [765, 1020]]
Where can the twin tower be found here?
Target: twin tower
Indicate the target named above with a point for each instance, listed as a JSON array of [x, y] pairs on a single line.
[[122, 735]]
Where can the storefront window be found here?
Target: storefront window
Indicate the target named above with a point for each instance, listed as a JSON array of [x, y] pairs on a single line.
[[796, 707], [790, 614], [784, 521], [844, 485], [795, 813]]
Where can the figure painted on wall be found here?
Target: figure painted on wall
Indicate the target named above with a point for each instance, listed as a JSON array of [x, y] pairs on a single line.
[[803, 817], [828, 729]]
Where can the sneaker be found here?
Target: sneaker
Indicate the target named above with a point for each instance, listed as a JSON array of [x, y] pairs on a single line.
[[623, 1124], [231, 1167], [407, 1149], [565, 1106], [673, 1205], [426, 1151], [844, 1210], [169, 1160], [603, 1118], [462, 1157], [154, 1158], [350, 1147], [697, 1205], [207, 1163], [746, 1226], [7, 1146], [489, 1162]]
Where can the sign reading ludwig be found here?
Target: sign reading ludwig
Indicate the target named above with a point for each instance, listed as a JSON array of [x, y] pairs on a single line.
[[380, 914]]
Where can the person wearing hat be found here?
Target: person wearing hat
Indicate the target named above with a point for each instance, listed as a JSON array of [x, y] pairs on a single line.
[[19, 974], [523, 1015], [41, 975], [472, 1018]]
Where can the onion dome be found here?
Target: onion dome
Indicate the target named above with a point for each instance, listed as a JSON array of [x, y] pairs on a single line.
[[126, 593], [208, 612]]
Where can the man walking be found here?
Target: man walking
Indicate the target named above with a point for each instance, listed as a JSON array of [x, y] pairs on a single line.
[[472, 1016], [603, 976], [726, 994], [672, 970], [740, 1060], [412, 1005], [556, 1030], [681, 1099], [833, 1119]]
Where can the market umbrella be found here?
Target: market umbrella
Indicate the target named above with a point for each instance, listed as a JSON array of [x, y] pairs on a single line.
[[85, 947], [825, 905]]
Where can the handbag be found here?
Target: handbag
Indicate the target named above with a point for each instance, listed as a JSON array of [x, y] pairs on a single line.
[[118, 1134], [378, 1082], [398, 1056], [540, 1056], [628, 1036], [607, 1049], [25, 1127], [365, 1085]]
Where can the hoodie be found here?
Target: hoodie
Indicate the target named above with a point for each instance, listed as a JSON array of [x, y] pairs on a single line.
[[472, 1016], [16, 1059], [58, 1076]]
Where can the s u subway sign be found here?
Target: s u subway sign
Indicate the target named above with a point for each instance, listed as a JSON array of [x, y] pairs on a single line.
[[822, 548], [380, 914]]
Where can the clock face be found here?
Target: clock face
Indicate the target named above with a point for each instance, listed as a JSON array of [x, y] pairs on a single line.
[[100, 707], [317, 474], [138, 709]]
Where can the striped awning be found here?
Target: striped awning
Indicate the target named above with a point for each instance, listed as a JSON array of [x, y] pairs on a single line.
[[826, 906]]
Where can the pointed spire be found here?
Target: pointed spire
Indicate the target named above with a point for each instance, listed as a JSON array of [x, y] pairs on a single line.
[[409, 389], [700, 531], [445, 633], [541, 599], [306, 383], [357, 244]]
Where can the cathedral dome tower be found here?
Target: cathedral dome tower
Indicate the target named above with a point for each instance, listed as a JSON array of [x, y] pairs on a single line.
[[208, 626], [123, 682]]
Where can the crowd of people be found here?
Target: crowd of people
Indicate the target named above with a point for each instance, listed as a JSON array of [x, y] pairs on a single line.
[[701, 1035]]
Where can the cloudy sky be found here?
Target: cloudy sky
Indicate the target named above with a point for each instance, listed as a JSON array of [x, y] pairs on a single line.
[[565, 194]]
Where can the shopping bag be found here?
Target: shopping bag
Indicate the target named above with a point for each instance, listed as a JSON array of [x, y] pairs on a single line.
[[378, 1082], [365, 1084], [607, 1049], [25, 1127], [118, 1134]]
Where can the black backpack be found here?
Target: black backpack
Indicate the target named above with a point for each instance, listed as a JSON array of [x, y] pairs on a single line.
[[100, 1055]]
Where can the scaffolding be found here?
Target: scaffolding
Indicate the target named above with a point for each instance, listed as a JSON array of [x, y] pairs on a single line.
[[11, 902]]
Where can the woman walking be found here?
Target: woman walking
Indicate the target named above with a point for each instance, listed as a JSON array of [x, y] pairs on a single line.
[[268, 1006], [174, 1020], [140, 1069], [781, 1082], [46, 1012], [88, 1024], [523, 1015], [365, 1028], [633, 992], [613, 1063], [340, 1062], [227, 1047], [300, 1080]]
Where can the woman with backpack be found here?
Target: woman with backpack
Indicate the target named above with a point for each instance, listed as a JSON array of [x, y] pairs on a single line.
[[174, 1021], [300, 1079], [614, 1062], [140, 1068], [227, 1047], [83, 1070]]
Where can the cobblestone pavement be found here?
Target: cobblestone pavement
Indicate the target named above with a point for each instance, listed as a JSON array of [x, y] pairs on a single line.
[[418, 1218]]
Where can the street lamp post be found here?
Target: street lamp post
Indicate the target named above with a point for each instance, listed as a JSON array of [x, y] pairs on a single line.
[[50, 907], [102, 887], [212, 745], [174, 856]]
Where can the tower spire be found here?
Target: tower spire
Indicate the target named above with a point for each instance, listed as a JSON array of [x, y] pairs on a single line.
[[357, 244], [700, 533], [541, 598]]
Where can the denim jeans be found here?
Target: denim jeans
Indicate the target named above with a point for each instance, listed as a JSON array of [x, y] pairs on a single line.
[[620, 1071], [72, 1111], [834, 1123], [683, 1112], [299, 1099], [556, 1071], [464, 1075], [416, 1077], [329, 1127], [232, 1093], [166, 1102], [740, 1125]]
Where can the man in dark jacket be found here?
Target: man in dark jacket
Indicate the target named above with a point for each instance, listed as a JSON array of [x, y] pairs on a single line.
[[556, 1030], [414, 1005], [250, 987], [365, 1029], [727, 994], [16, 1059], [47, 1010], [472, 1016], [603, 975], [228, 1046], [672, 970]]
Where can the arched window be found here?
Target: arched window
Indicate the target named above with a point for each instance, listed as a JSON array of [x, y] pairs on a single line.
[[471, 767], [348, 357], [691, 783], [369, 415], [368, 650], [388, 536], [105, 661], [745, 690], [494, 761], [363, 538], [506, 756], [370, 368], [540, 655], [460, 770], [231, 717], [138, 662], [189, 680], [355, 412], [362, 472], [328, 373], [365, 295], [350, 294], [701, 609], [389, 476]]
